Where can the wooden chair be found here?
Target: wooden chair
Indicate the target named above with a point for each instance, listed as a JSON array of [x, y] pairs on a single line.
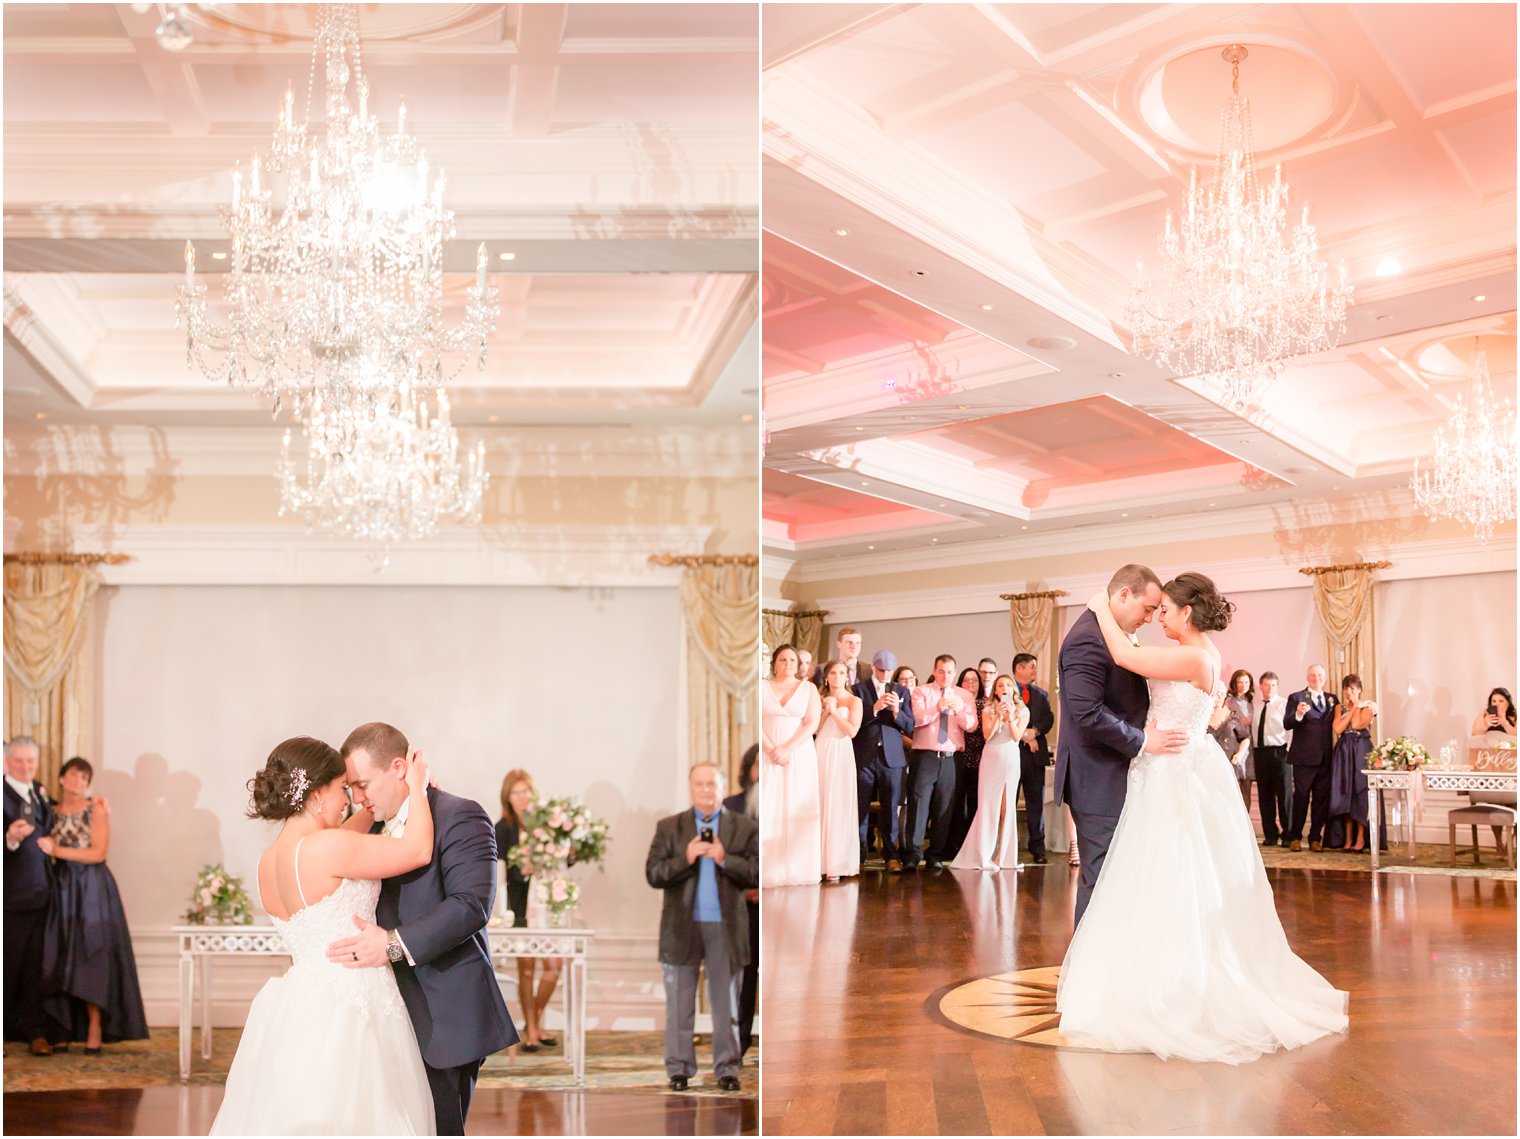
[[1502, 819]]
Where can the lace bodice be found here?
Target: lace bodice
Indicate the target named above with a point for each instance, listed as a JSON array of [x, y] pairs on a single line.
[[308, 932], [1178, 704], [73, 830]]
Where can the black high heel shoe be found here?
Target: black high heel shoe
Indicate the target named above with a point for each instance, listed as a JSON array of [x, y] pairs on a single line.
[[548, 1041]]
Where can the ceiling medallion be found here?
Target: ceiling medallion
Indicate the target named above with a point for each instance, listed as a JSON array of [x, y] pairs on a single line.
[[1471, 475], [335, 298], [1239, 296]]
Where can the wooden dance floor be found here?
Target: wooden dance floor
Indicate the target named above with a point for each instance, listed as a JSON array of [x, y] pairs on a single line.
[[495, 1111], [851, 974]]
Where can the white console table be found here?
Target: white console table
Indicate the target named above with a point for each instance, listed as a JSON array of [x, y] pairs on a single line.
[[199, 944], [1412, 784]]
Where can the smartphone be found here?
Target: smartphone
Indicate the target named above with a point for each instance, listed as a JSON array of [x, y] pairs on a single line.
[[29, 812], [707, 834]]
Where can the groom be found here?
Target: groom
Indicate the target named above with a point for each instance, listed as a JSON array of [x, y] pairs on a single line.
[[431, 925], [1103, 713]]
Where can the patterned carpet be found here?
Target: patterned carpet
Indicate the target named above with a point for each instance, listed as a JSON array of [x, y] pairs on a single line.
[[1430, 858], [629, 1061]]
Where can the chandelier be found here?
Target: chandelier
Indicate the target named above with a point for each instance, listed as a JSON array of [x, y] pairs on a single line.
[[382, 472], [1471, 477], [1238, 297], [334, 298]]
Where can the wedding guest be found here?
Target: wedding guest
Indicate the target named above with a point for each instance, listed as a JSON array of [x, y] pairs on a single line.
[[92, 990], [1269, 759], [516, 798], [1232, 733], [967, 761], [1238, 700], [703, 859], [881, 757], [1034, 751], [746, 802], [987, 669], [791, 828], [805, 665], [1310, 717], [1348, 780], [28, 888], [1499, 716], [992, 839], [847, 644], [906, 678], [838, 794], [942, 714]]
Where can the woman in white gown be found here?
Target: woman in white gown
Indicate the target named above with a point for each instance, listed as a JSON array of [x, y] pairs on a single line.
[[1181, 952], [791, 830], [838, 777], [327, 1050], [993, 841]]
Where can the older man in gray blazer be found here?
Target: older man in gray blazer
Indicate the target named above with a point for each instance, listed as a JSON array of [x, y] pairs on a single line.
[[704, 859]]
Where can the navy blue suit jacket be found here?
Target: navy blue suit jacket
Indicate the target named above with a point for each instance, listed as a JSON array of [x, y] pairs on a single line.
[[1041, 718], [440, 911], [882, 731], [1103, 709], [28, 872], [1314, 735]]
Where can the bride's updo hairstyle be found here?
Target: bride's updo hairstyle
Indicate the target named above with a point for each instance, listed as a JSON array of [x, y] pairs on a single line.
[[292, 772], [1211, 610]]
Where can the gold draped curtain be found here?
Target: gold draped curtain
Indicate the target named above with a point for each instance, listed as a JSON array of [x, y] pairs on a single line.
[[720, 603], [800, 628], [1343, 600], [48, 685], [1032, 621]]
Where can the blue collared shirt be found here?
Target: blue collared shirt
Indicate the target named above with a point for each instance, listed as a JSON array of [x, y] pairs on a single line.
[[707, 908]]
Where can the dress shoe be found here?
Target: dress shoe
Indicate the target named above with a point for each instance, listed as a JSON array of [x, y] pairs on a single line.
[[1282, 842], [529, 1048], [933, 864], [894, 866], [1038, 860], [678, 1083], [728, 1083], [1295, 845], [92, 1051], [40, 1047], [547, 1041], [1315, 845]]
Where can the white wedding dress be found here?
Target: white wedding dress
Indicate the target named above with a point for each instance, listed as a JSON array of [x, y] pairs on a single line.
[[1181, 952], [327, 1050]]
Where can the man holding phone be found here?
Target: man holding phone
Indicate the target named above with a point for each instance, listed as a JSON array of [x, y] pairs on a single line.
[[704, 859], [28, 878], [880, 758]]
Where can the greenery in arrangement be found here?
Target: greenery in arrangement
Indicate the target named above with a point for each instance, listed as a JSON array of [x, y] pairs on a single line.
[[219, 898], [558, 833], [1401, 754]]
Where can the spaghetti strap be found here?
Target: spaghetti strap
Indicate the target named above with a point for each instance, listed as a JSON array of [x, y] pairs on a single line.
[[296, 864]]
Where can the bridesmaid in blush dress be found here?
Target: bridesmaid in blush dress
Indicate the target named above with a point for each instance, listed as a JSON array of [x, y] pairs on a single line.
[[838, 796], [791, 830]]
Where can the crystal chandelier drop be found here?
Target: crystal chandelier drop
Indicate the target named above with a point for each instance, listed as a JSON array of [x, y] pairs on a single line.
[[345, 264], [384, 470], [1471, 476], [1238, 297]]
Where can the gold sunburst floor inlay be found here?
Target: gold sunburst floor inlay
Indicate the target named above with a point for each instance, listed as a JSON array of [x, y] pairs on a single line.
[[1019, 1006]]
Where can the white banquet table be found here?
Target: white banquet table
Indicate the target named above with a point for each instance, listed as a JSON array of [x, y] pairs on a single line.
[[199, 944]]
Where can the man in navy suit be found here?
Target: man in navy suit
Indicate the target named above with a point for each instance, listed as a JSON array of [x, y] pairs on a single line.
[[1034, 750], [880, 758], [1103, 712], [430, 925], [28, 878], [1309, 717]]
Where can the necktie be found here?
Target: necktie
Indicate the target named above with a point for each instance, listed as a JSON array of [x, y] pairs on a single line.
[[1317, 706], [1261, 731], [1024, 693], [944, 722]]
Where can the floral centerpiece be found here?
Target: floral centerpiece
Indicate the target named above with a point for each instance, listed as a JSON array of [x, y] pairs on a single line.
[[219, 898], [1405, 753], [557, 834]]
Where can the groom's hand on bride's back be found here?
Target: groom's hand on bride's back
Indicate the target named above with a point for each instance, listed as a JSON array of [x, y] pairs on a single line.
[[1163, 741]]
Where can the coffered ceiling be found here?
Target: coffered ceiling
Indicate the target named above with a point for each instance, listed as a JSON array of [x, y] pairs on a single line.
[[956, 200], [605, 154]]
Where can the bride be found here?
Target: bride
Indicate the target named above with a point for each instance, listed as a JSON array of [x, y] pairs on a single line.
[[327, 1050], [1181, 952]]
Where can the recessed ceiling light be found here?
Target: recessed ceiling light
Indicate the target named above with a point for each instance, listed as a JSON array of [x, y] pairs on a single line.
[[1052, 343], [942, 504], [1023, 527], [494, 418], [962, 406], [860, 429], [1481, 297], [986, 308], [934, 539], [506, 257], [746, 417], [870, 547], [1389, 267], [1116, 375], [1211, 504], [864, 483], [42, 415], [219, 255], [841, 233], [1124, 515]]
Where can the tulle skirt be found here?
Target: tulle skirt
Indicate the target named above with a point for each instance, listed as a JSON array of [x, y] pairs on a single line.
[[311, 1062], [1181, 952]]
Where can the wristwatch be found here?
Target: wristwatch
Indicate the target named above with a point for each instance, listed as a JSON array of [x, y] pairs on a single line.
[[393, 950]]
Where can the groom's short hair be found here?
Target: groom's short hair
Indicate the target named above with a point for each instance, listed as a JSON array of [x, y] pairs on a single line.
[[1133, 577], [381, 742]]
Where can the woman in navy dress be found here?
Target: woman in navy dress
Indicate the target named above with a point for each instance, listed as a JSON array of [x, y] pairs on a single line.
[[91, 974], [1348, 782]]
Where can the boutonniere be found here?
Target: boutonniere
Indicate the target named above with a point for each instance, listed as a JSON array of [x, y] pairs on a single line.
[[1134, 639]]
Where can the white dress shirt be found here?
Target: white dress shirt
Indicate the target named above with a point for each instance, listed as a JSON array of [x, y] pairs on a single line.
[[1275, 736], [395, 827], [25, 790]]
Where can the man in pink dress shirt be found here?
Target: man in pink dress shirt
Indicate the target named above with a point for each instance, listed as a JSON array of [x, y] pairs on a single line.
[[942, 715]]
